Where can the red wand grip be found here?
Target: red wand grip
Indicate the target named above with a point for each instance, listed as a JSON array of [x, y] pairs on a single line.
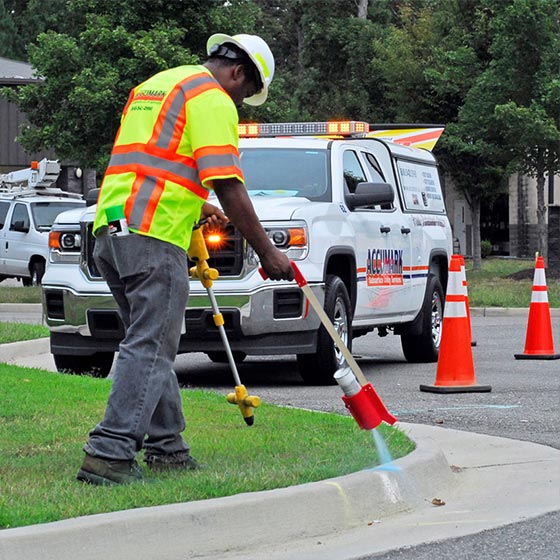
[[297, 274]]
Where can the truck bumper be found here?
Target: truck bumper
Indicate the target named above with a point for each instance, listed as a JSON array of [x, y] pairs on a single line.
[[271, 320]]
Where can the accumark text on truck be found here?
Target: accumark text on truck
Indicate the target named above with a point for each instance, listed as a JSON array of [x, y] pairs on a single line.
[[364, 219]]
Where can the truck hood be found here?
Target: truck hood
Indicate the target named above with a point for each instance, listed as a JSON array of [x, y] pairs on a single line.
[[76, 215], [268, 208], [274, 208]]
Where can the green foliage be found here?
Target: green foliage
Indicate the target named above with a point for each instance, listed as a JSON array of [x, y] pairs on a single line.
[[16, 332], [485, 248]]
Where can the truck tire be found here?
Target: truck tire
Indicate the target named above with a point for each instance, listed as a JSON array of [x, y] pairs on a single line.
[[424, 347], [220, 357], [96, 365], [319, 368]]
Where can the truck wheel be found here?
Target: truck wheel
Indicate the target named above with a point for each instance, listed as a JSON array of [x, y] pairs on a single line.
[[219, 357], [319, 368], [96, 365], [424, 347]]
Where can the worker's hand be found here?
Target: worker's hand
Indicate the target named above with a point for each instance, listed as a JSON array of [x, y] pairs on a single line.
[[213, 215], [276, 265]]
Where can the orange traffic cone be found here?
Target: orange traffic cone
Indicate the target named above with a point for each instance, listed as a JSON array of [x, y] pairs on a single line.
[[466, 294], [539, 344], [455, 369]]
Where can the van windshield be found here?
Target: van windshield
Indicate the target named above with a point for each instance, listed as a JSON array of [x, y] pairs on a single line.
[[44, 213], [286, 172]]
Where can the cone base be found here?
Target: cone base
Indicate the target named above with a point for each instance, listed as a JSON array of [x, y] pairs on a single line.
[[456, 388], [537, 356]]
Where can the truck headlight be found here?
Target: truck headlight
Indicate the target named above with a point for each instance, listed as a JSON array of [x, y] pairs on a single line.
[[64, 246], [291, 239]]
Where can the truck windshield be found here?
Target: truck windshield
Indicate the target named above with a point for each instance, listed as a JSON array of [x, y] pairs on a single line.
[[44, 213], [286, 172]]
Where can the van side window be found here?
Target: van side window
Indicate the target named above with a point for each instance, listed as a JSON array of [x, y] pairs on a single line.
[[353, 172], [4, 207], [20, 215]]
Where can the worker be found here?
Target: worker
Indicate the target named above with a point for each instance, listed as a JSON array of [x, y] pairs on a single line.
[[176, 143]]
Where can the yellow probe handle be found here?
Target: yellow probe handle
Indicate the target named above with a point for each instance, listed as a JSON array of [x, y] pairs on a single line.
[[199, 254]]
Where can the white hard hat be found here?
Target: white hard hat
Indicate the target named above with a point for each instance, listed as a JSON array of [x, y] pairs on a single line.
[[259, 53]]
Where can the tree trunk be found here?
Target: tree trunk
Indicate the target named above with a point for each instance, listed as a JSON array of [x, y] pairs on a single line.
[[362, 8], [475, 213], [542, 230]]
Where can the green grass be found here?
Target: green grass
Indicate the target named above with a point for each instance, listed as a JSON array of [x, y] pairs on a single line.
[[16, 294], [45, 418], [492, 286], [14, 332]]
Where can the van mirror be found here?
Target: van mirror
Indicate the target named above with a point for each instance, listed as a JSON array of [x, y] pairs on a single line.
[[370, 194], [20, 226]]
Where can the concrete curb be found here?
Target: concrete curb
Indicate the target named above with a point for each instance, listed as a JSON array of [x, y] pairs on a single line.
[[24, 348], [240, 522]]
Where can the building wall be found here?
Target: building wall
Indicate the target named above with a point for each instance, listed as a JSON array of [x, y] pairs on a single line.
[[523, 212], [522, 203], [12, 155]]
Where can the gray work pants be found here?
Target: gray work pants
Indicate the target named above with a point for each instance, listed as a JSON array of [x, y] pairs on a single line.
[[149, 280]]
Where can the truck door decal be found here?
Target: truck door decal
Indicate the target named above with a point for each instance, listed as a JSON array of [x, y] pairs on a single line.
[[384, 267]]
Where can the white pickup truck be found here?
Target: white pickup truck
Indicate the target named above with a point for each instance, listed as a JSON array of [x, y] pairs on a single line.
[[363, 217]]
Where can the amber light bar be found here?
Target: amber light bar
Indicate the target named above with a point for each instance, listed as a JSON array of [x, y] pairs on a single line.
[[327, 128]]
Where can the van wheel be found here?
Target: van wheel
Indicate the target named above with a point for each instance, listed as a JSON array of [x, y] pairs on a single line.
[[37, 272], [220, 357], [424, 347], [96, 365], [319, 368]]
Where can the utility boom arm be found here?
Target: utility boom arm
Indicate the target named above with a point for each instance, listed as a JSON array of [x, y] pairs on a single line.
[[41, 174]]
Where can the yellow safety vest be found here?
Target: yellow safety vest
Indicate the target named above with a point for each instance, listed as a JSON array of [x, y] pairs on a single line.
[[178, 134]]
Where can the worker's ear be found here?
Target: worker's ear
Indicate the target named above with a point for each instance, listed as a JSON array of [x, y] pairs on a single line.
[[238, 73]]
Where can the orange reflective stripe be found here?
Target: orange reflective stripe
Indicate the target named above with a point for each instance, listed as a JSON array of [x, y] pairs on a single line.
[[147, 171], [164, 128], [216, 150], [130, 200], [152, 205], [214, 172]]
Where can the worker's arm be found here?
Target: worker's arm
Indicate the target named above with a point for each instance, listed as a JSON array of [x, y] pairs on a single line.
[[237, 205]]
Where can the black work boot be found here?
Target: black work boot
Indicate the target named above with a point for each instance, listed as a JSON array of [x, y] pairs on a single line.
[[180, 460], [107, 472]]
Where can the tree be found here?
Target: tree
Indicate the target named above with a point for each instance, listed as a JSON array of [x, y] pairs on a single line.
[[9, 43], [88, 70], [526, 69]]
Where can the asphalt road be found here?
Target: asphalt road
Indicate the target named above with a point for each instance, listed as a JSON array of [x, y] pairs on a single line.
[[524, 404]]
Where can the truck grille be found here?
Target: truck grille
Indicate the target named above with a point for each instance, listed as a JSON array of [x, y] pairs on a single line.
[[227, 259]]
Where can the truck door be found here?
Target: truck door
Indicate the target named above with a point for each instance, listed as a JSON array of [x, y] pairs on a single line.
[[16, 242], [382, 248]]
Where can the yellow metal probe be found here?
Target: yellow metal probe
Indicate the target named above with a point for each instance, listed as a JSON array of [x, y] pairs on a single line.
[[198, 253]]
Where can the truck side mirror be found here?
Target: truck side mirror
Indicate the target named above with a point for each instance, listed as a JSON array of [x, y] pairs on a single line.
[[370, 194], [92, 196]]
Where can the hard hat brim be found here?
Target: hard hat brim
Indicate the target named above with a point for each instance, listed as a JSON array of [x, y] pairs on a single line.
[[218, 39]]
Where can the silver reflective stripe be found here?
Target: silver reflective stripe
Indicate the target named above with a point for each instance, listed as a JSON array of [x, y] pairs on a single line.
[[174, 110], [155, 163], [224, 160], [141, 202]]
